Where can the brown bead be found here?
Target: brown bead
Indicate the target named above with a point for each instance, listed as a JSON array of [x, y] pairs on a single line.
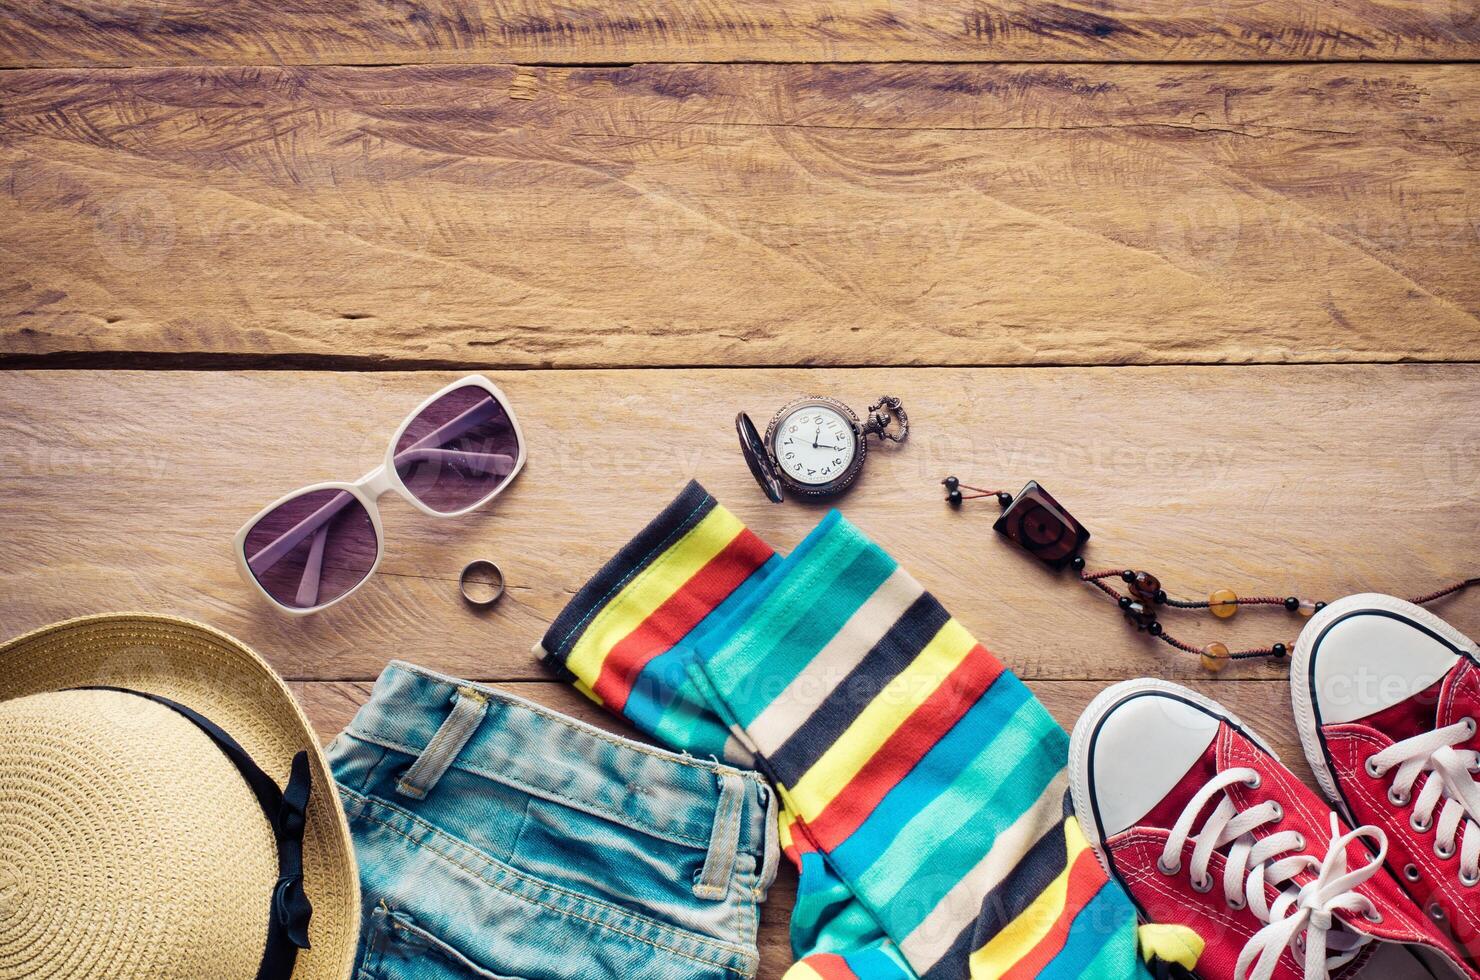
[[1214, 657], [1145, 586], [1223, 603], [1142, 614]]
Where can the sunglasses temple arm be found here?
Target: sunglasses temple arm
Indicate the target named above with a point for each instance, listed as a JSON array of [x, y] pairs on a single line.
[[446, 432], [275, 551], [308, 585], [498, 464]]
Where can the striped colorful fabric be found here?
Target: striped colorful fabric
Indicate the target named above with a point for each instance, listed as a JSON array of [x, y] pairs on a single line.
[[626, 640], [923, 786]]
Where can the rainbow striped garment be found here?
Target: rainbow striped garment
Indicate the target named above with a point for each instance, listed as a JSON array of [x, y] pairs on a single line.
[[923, 786]]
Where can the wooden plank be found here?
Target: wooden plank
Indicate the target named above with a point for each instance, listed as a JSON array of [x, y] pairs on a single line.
[[123, 490], [1262, 704], [142, 32], [740, 215]]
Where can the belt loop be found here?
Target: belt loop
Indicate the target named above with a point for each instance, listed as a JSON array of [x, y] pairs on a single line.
[[468, 708], [724, 839], [771, 858]]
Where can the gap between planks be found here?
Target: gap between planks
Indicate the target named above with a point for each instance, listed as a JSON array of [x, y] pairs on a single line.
[[547, 679], [349, 364], [767, 62]]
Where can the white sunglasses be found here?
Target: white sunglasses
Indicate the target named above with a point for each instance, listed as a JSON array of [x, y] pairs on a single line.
[[456, 452]]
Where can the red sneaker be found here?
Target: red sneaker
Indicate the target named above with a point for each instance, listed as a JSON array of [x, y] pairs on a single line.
[[1204, 827], [1386, 698]]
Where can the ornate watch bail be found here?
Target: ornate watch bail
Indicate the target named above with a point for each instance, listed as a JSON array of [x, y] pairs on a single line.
[[884, 413]]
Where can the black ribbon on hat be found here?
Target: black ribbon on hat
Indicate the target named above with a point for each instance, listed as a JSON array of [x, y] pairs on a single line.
[[287, 812]]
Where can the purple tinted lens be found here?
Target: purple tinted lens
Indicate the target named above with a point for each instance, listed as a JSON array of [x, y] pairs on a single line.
[[458, 451], [312, 549]]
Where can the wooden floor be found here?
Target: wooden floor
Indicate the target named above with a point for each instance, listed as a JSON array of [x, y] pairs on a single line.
[[1207, 269]]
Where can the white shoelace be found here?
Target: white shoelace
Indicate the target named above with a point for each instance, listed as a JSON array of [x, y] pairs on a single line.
[[1300, 917], [1451, 779]]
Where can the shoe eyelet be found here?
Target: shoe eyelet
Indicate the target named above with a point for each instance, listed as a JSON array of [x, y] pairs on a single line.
[[1372, 915], [1279, 811], [1372, 769], [1254, 781], [1422, 826], [1238, 905], [1444, 851], [1299, 842], [1469, 724], [1411, 872], [1168, 870], [1204, 886], [1468, 881], [1396, 798], [1435, 912]]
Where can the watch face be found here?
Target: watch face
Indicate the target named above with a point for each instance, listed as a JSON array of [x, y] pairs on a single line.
[[814, 445]]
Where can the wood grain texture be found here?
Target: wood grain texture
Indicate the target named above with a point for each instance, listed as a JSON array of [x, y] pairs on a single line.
[[465, 210], [123, 490], [740, 215], [1264, 705], [142, 32]]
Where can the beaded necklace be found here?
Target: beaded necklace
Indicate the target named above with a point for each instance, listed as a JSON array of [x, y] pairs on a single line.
[[1040, 525]]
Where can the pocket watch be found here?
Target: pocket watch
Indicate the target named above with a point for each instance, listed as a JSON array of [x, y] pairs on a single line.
[[815, 446]]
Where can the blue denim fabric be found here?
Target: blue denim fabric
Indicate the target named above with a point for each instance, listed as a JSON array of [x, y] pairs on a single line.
[[499, 839]]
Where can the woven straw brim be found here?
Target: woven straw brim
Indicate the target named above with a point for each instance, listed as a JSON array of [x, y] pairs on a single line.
[[230, 684]]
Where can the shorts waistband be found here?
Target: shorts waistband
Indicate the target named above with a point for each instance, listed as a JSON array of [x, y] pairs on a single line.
[[517, 742]]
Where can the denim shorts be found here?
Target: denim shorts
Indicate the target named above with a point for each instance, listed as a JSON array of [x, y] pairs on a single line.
[[497, 838]]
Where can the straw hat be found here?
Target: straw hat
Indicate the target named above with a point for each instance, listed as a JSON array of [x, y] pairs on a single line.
[[131, 843]]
